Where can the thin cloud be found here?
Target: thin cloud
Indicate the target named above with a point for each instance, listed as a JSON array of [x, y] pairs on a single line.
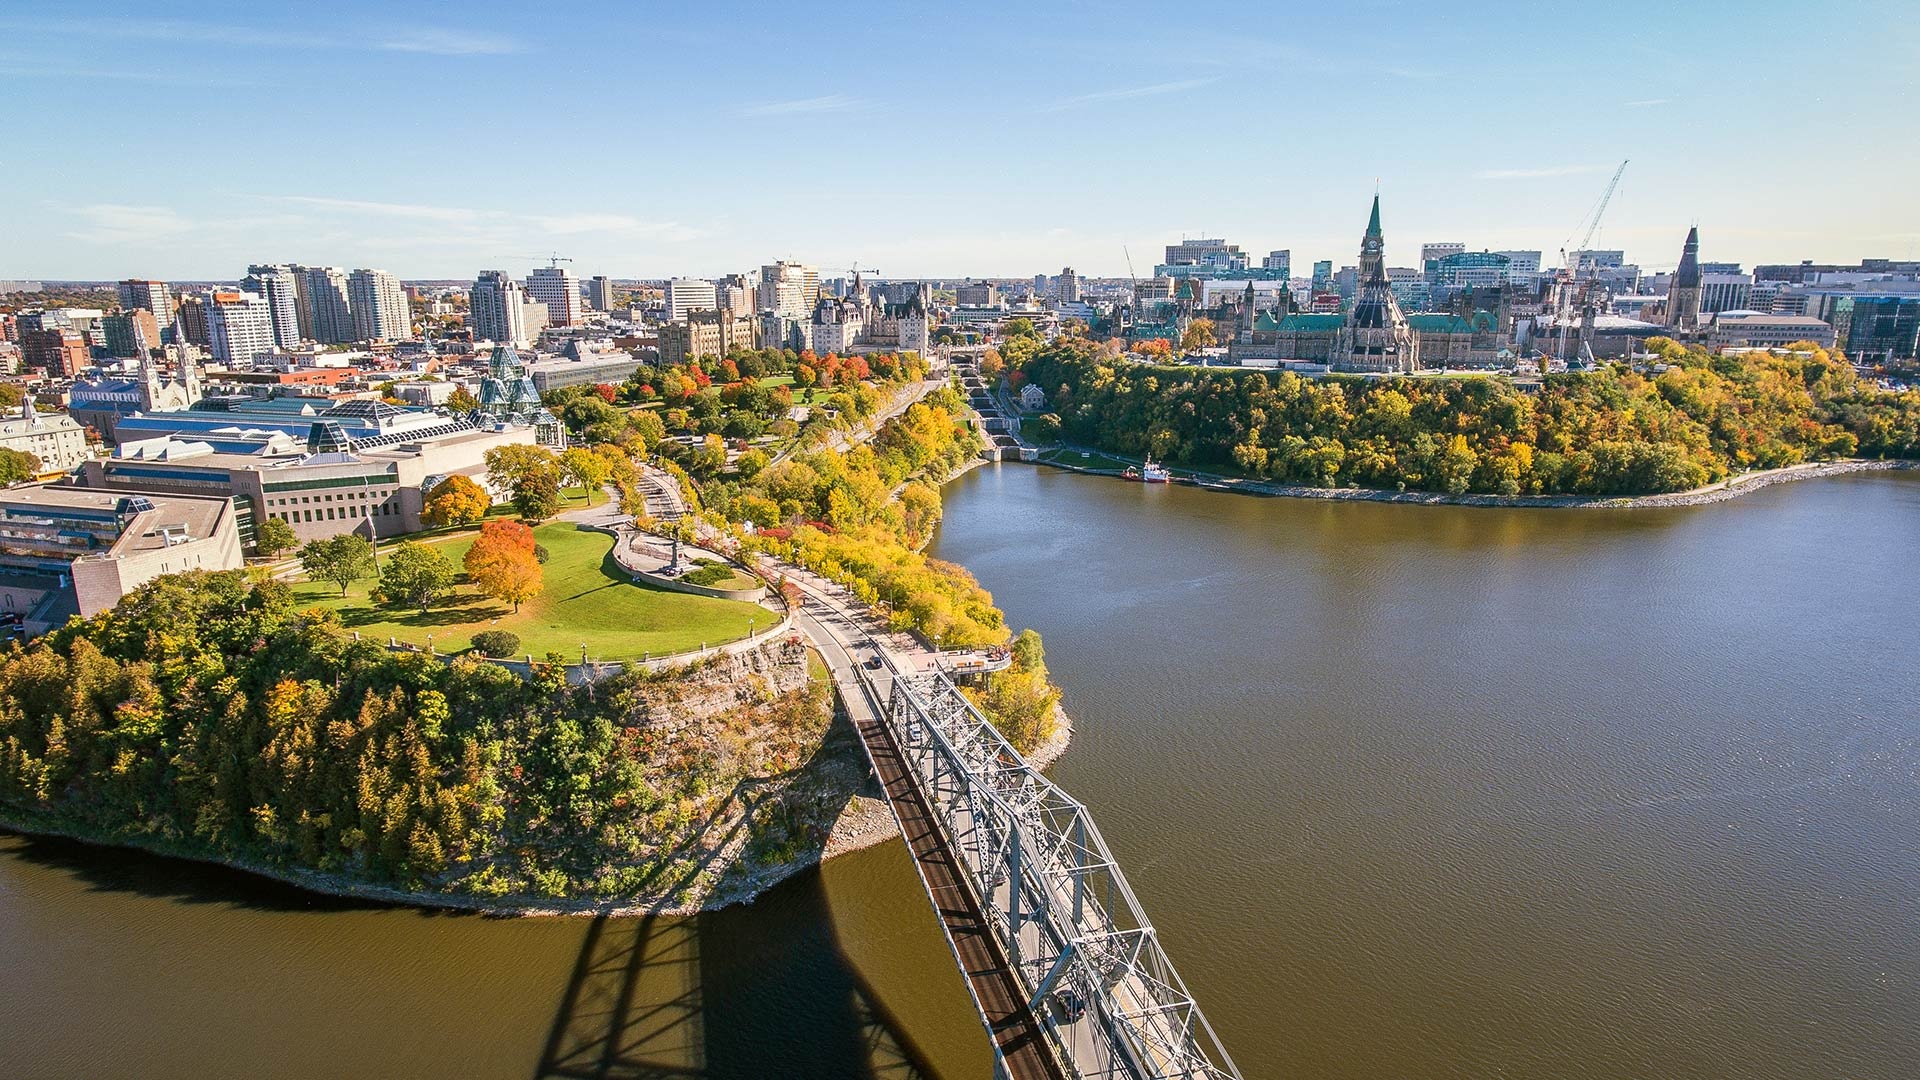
[[1534, 174], [384, 209], [116, 223], [428, 40], [1646, 103], [1130, 92], [802, 106]]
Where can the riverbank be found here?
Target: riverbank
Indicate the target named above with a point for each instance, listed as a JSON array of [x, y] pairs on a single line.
[[1730, 488]]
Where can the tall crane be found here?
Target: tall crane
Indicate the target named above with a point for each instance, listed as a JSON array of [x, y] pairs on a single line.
[[1572, 299], [1591, 220]]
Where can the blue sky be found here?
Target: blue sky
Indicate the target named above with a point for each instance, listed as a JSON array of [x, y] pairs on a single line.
[[643, 140]]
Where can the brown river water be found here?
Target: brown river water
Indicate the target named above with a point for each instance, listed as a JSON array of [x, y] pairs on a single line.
[[1410, 792]]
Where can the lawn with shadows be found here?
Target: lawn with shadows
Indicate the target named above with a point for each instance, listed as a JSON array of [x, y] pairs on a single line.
[[587, 599]]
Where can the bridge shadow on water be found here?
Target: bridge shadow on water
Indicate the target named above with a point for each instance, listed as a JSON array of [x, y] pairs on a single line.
[[757, 992]]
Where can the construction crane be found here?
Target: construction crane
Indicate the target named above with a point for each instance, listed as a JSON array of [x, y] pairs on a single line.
[[552, 258], [1573, 299], [1591, 221]]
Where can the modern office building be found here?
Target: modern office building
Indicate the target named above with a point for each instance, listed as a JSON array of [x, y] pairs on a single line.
[[589, 368], [1879, 329], [1433, 252], [1725, 292], [240, 327], [1760, 330], [191, 317], [685, 295], [379, 306], [559, 289], [326, 307], [600, 292], [1202, 258], [497, 310], [67, 551], [1280, 262], [982, 294], [280, 288]]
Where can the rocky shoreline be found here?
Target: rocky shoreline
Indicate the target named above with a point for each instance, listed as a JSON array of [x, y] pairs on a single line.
[[1730, 488]]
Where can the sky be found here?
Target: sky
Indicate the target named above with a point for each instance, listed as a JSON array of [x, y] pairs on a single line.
[[647, 140]]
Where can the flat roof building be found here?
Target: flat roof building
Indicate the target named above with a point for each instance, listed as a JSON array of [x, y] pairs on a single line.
[[67, 551]]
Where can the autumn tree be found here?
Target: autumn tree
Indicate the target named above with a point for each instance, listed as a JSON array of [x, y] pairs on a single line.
[[1198, 335], [462, 401], [341, 560], [457, 500], [502, 563]]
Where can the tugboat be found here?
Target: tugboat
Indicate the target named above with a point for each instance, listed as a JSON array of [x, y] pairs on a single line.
[[1148, 473]]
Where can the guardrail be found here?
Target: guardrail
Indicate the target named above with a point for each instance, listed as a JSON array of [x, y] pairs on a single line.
[[1110, 1000]]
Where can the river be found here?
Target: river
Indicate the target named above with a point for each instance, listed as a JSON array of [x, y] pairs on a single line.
[[1427, 792]]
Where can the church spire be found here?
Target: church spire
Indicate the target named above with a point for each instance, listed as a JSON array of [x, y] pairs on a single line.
[[1373, 222]]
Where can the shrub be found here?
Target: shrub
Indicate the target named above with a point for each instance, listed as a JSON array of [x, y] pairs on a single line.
[[711, 573], [540, 554], [496, 643]]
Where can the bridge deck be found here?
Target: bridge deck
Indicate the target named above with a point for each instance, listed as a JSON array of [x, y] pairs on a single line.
[[1014, 1027]]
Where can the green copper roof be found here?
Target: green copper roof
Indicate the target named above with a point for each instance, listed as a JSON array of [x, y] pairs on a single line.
[[1373, 223], [1266, 321]]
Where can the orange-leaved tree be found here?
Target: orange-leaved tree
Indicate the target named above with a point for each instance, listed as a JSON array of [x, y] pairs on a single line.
[[502, 562]]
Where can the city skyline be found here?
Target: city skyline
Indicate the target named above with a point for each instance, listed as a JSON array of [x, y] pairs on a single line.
[[658, 145]]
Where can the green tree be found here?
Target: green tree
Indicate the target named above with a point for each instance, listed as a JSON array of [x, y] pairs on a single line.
[[461, 401], [11, 395], [647, 427], [415, 576], [585, 469], [273, 536], [341, 560], [537, 496], [17, 465]]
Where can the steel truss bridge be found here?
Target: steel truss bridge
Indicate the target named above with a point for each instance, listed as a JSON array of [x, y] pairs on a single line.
[[1065, 968]]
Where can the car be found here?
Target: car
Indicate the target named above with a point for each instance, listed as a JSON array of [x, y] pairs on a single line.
[[873, 662]]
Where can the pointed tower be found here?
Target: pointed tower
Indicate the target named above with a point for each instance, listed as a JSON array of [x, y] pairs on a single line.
[[1375, 336], [1683, 295], [1373, 249]]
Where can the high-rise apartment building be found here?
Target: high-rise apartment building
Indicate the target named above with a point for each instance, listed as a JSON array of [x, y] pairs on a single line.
[[789, 302], [54, 347], [497, 309], [1069, 286], [152, 296], [689, 294], [276, 285], [133, 332], [379, 304], [600, 292], [559, 289], [1280, 262], [240, 327], [326, 309], [192, 316]]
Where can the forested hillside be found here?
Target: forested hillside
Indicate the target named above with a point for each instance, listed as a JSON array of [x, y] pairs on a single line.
[[1611, 431]]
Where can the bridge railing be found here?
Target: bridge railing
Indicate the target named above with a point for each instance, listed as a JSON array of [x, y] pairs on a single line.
[[1108, 996]]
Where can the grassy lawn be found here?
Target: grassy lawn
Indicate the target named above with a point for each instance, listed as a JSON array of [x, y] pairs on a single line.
[[801, 395], [587, 599], [1092, 460]]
